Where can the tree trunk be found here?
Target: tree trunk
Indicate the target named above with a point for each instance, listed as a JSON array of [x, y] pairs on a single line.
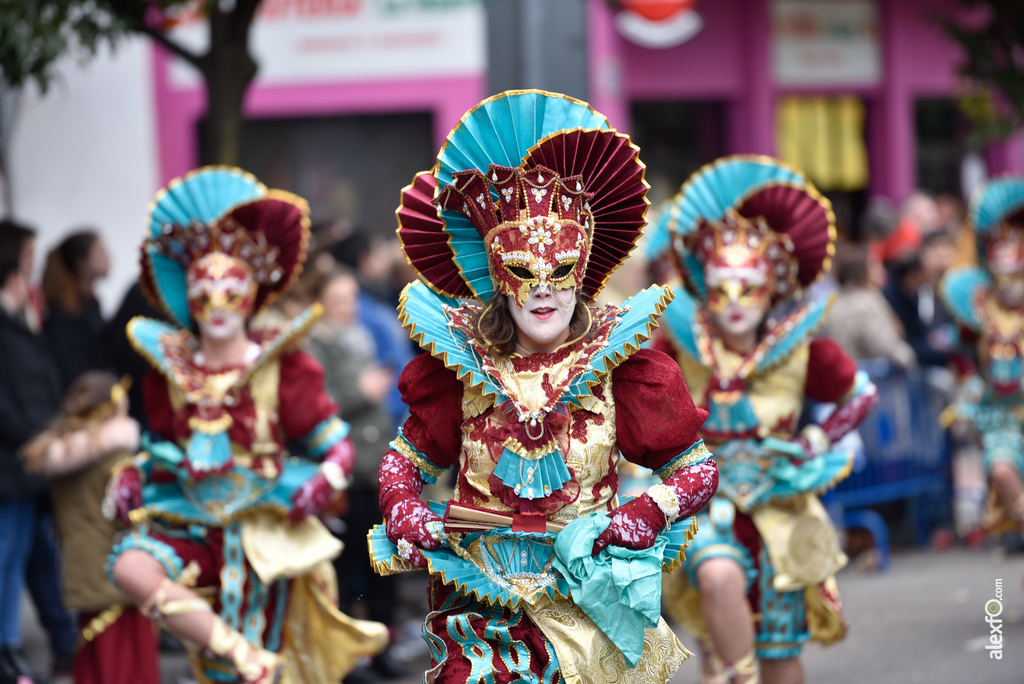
[[228, 70]]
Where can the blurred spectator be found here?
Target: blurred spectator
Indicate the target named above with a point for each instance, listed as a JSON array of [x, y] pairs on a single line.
[[360, 386], [29, 397], [951, 214], [861, 321], [938, 253], [371, 260], [921, 210], [90, 437], [115, 353], [354, 377], [879, 219], [887, 236], [74, 321], [908, 277]]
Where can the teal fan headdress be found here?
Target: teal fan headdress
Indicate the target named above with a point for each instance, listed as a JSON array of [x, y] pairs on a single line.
[[523, 131]]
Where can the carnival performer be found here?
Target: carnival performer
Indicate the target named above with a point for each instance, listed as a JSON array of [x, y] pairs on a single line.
[[749, 234], [92, 433], [533, 395], [223, 514], [987, 301]]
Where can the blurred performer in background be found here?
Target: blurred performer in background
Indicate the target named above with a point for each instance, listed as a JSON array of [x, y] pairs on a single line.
[[987, 301], [219, 504], [92, 433], [750, 234], [533, 394]]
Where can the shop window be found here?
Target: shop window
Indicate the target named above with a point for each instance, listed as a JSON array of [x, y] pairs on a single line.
[[349, 167], [940, 143], [825, 138], [676, 139]]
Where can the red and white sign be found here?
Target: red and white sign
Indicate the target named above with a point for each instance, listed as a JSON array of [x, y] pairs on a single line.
[[658, 23], [332, 41]]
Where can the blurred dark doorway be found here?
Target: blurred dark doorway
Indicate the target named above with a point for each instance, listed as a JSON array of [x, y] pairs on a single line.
[[675, 139], [941, 132], [347, 167]]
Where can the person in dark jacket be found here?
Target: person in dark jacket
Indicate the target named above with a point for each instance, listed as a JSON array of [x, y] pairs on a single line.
[[903, 294], [30, 396], [113, 352], [74, 321]]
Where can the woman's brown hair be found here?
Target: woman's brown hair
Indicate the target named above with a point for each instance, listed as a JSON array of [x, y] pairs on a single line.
[[498, 331], [62, 276], [84, 405]]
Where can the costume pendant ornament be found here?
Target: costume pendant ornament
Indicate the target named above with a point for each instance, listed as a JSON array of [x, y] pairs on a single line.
[[531, 464]]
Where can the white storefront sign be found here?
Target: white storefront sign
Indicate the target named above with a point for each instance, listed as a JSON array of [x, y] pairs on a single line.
[[333, 41], [826, 43]]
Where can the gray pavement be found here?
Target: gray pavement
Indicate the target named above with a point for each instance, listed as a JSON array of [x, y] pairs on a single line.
[[922, 621]]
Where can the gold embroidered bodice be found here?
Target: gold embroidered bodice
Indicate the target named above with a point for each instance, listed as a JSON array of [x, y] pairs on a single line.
[[776, 395], [586, 439]]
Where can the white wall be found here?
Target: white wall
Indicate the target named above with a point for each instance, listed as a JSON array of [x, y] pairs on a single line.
[[85, 154]]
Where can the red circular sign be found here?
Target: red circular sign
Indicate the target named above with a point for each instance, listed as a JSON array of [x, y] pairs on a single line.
[[658, 10]]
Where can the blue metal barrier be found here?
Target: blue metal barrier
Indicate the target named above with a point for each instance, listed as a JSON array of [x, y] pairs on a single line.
[[906, 456]]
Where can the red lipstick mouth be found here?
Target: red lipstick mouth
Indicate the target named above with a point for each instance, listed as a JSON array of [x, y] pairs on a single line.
[[543, 312]]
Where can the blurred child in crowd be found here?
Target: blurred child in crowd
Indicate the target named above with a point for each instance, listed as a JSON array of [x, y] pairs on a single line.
[[91, 435], [74, 321]]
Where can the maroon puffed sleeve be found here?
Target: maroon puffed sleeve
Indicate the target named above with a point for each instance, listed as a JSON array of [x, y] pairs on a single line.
[[433, 394], [655, 417], [156, 401], [303, 401], [830, 371]]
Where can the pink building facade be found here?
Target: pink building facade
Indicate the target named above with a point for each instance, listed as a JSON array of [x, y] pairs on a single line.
[[728, 61]]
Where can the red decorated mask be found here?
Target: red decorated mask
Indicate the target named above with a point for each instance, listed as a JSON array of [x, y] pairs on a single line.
[[743, 281], [218, 282], [744, 262], [535, 226]]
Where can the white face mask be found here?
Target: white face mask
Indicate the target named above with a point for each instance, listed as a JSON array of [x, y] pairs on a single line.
[[222, 324], [738, 320], [544, 320], [739, 297]]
